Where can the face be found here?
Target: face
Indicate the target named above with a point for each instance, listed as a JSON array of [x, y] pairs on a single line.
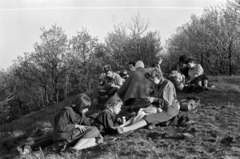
[[190, 64], [117, 109], [183, 65], [131, 67], [109, 73], [155, 80], [85, 108], [159, 61]]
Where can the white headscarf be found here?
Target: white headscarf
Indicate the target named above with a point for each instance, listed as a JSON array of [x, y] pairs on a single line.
[[139, 64]]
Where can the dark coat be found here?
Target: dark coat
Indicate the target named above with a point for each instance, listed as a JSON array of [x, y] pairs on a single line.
[[64, 123], [105, 121], [135, 86]]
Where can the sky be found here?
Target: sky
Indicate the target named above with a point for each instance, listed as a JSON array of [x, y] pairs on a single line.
[[21, 20]]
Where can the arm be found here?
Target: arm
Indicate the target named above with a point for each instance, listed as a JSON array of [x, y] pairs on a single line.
[[198, 70], [108, 123], [63, 123], [167, 96], [119, 81]]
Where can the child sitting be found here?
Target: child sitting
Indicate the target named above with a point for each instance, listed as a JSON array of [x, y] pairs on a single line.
[[106, 119], [177, 78]]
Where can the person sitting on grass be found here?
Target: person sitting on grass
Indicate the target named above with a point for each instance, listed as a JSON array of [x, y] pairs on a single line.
[[106, 119], [164, 98], [134, 89], [177, 78], [196, 74], [183, 68], [109, 83], [72, 128]]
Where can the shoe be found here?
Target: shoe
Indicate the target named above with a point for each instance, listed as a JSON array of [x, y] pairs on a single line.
[[119, 130], [151, 126], [23, 151], [73, 150], [212, 87]]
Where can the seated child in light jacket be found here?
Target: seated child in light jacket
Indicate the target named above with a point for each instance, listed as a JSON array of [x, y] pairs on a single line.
[[196, 74], [106, 119]]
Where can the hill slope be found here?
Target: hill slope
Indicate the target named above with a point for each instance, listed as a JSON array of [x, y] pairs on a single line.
[[215, 133]]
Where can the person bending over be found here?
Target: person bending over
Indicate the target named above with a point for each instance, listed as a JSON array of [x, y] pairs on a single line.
[[164, 98], [72, 128]]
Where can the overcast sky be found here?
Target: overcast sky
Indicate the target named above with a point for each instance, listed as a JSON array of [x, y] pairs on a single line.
[[21, 20]]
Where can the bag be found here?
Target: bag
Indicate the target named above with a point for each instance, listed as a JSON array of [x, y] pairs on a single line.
[[189, 104]]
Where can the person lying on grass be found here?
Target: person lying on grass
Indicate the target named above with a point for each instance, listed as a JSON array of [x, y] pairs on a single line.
[[72, 128], [164, 98], [106, 119]]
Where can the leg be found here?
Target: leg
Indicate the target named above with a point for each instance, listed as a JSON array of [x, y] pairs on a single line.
[[112, 91], [39, 143], [85, 143], [200, 83], [205, 82], [135, 126]]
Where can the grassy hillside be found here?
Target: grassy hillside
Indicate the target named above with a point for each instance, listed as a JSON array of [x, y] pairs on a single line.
[[215, 133]]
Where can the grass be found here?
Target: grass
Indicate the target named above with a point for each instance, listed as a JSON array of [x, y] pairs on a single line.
[[214, 135]]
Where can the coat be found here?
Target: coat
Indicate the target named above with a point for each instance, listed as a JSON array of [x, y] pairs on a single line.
[[135, 86]]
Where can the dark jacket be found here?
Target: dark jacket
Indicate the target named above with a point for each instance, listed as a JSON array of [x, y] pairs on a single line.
[[64, 123], [105, 121]]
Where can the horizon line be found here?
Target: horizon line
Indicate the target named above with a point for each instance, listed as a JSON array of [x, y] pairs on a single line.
[[100, 8]]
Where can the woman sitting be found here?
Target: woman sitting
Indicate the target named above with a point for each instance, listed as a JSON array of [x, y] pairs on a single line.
[[72, 128], [164, 98]]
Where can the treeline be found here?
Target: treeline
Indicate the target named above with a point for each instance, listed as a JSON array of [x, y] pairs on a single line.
[[60, 67], [212, 39]]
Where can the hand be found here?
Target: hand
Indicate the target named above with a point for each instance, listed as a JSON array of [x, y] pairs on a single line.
[[116, 86], [113, 85], [188, 82], [159, 110], [151, 99], [81, 128]]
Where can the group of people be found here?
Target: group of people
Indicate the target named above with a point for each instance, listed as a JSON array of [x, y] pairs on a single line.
[[187, 76], [144, 98]]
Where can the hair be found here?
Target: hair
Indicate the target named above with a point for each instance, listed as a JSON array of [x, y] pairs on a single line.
[[132, 63], [183, 59], [154, 72], [190, 60], [80, 102], [139, 64], [107, 68], [174, 67], [113, 101]]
